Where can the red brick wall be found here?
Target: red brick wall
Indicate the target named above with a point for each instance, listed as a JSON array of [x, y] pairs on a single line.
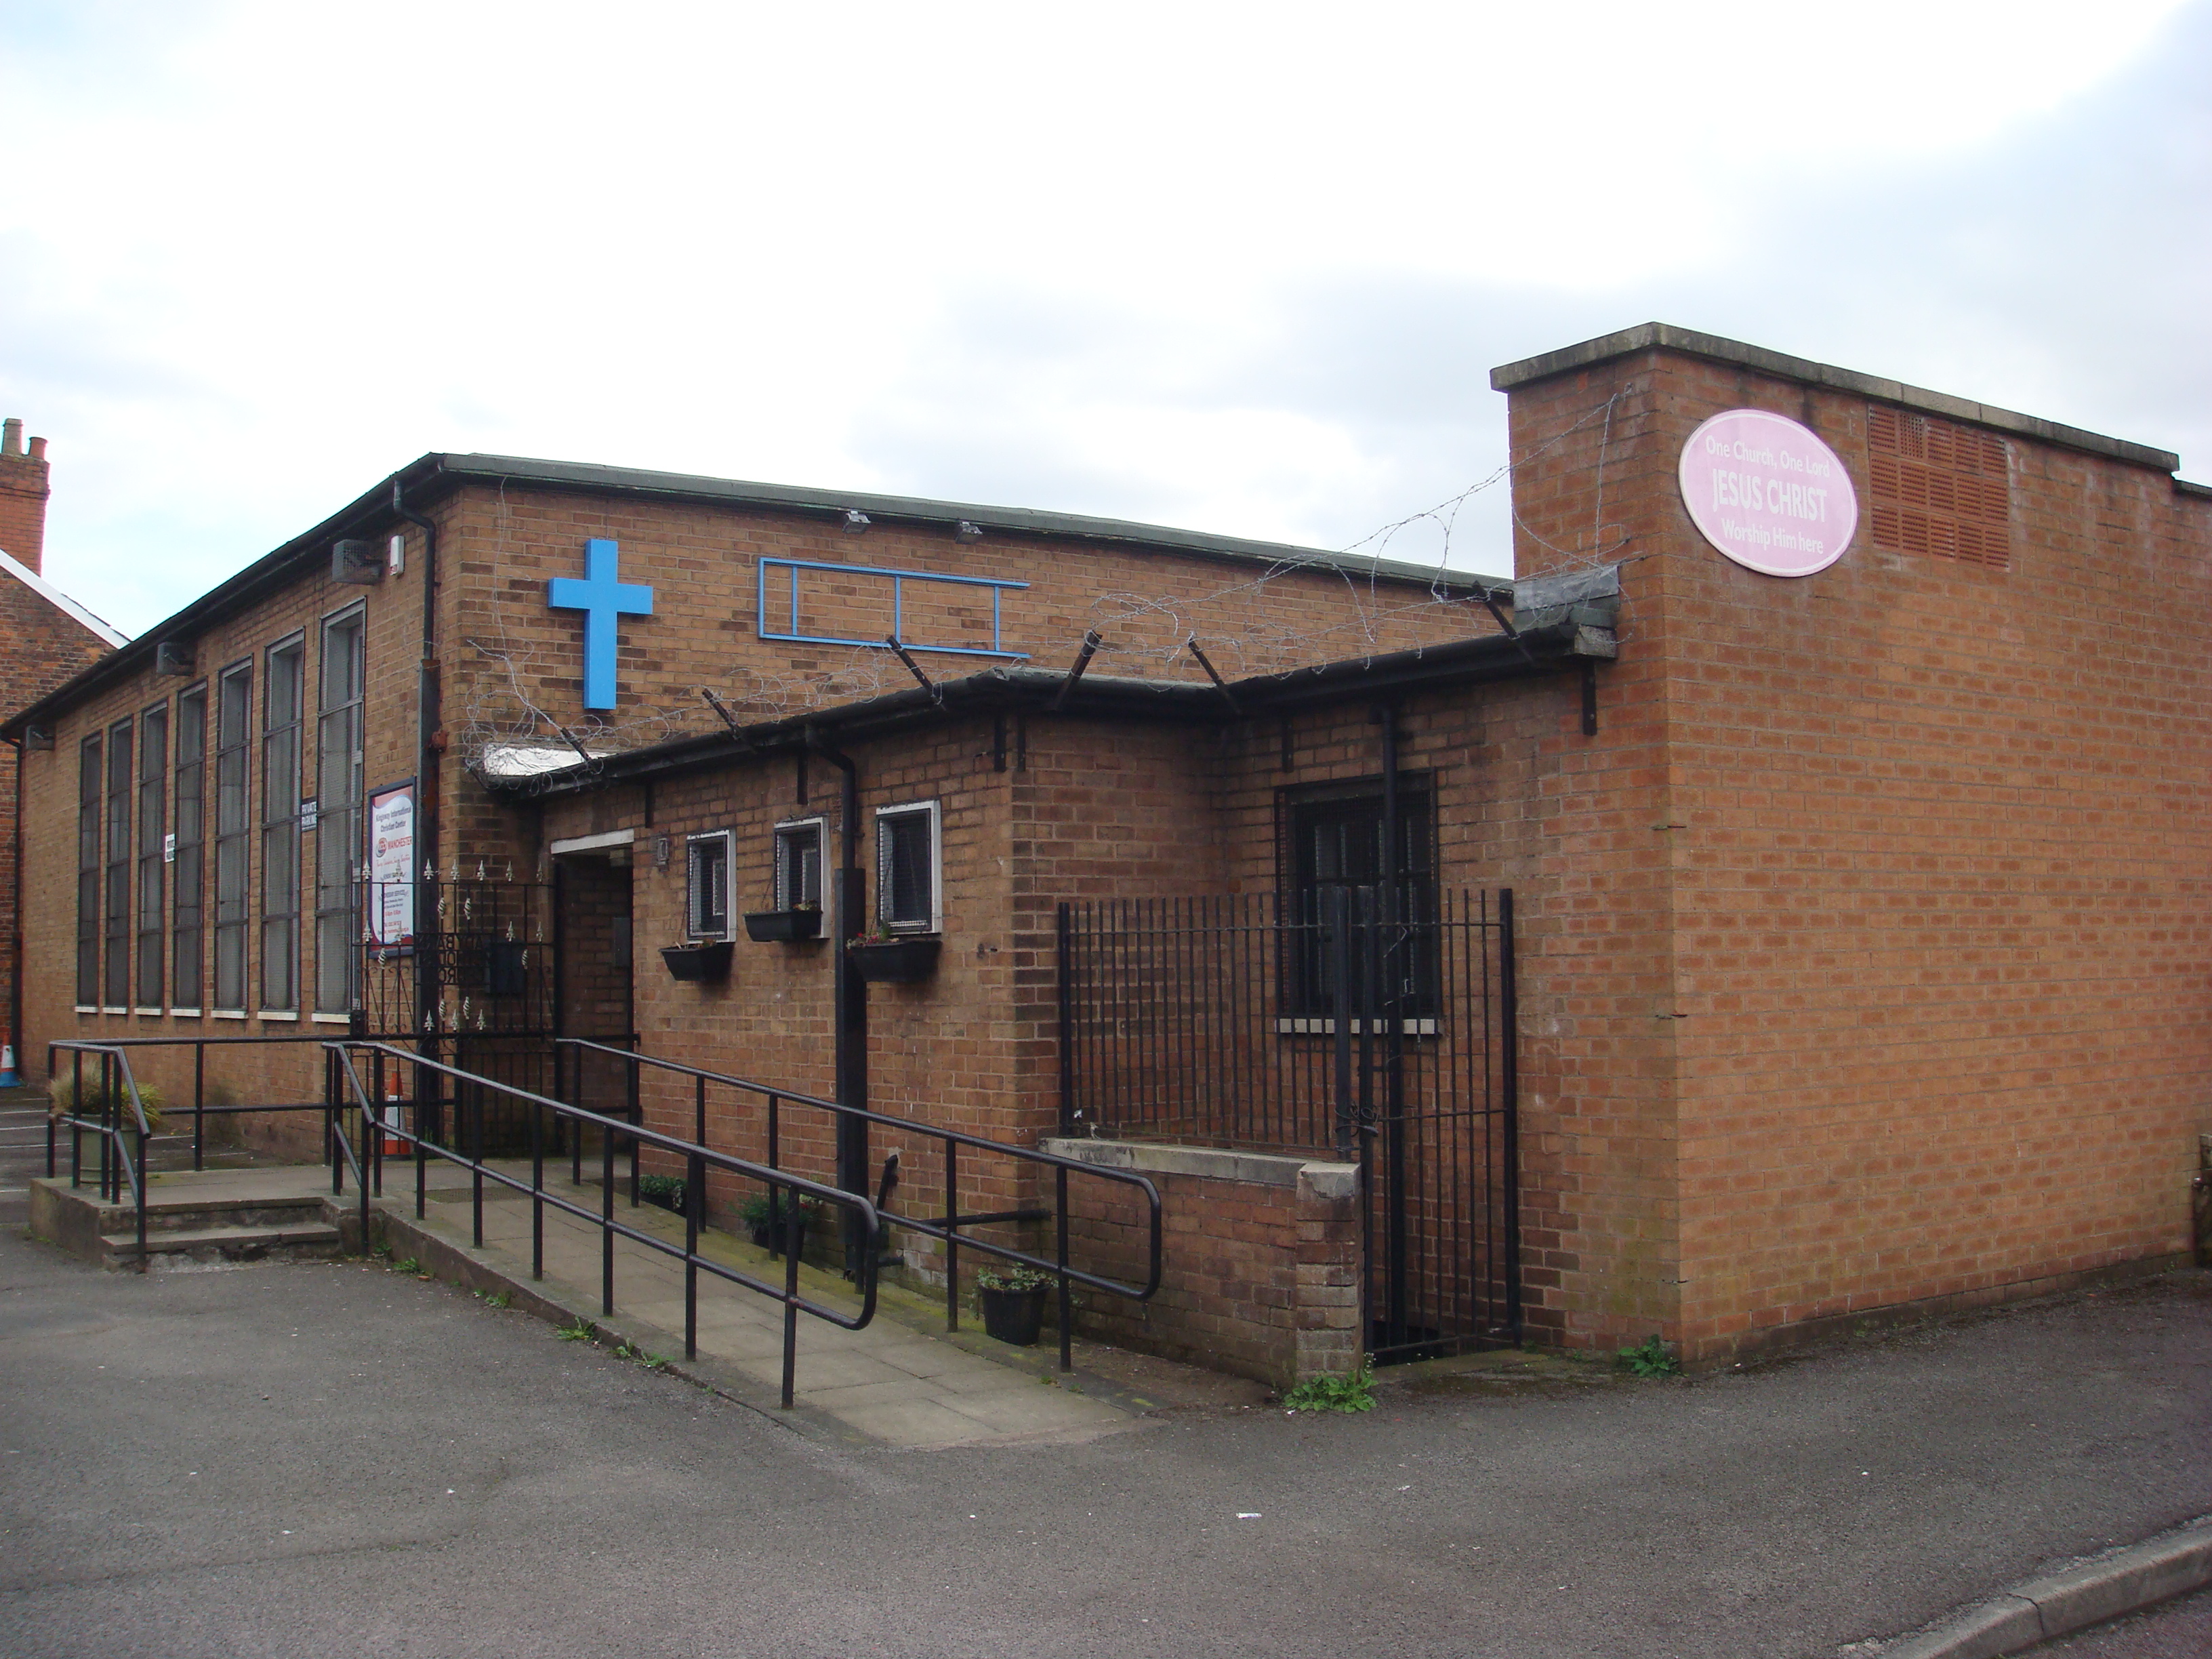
[[23, 492], [1895, 894]]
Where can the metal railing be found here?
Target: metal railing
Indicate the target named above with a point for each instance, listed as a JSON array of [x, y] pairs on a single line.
[[698, 1158], [945, 1228], [118, 1133]]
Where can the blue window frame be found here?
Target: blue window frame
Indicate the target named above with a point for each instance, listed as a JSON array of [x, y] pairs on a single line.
[[898, 579]]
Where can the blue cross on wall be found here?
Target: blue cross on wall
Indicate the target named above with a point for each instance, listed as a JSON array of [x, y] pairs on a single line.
[[602, 595]]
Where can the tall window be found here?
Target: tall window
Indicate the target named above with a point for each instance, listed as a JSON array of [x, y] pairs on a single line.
[[280, 828], [1335, 840], [116, 982], [906, 867], [153, 814], [187, 874], [233, 737], [707, 888], [87, 872], [338, 807]]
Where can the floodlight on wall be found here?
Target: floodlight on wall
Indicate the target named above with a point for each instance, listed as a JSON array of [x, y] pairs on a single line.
[[356, 563], [967, 530], [172, 658], [37, 737], [855, 522]]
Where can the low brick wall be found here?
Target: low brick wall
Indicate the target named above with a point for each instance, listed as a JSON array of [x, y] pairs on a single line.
[[1261, 1258]]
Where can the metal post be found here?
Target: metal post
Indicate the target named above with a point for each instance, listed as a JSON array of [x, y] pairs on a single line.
[[422, 1150], [1508, 1019], [537, 1188], [694, 1181], [607, 1229], [475, 1162], [951, 1235], [199, 1106], [1066, 1296], [790, 1306]]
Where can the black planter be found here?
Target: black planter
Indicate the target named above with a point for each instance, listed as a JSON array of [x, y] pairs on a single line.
[[771, 1239], [896, 962], [782, 927], [698, 962], [1014, 1317]]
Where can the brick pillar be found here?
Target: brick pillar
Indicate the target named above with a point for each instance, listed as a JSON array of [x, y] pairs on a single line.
[[23, 495]]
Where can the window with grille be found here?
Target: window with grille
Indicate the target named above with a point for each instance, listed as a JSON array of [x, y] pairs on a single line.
[[707, 887], [1335, 841], [1938, 488], [187, 873], [115, 990], [233, 783], [339, 828], [280, 829], [907, 900], [799, 865], [89, 776], [153, 815]]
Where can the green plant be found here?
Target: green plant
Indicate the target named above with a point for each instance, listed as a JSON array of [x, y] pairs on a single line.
[[1355, 1393], [496, 1298], [1015, 1278], [754, 1211], [407, 1265], [635, 1355], [65, 1102], [579, 1329], [666, 1191], [1650, 1358]]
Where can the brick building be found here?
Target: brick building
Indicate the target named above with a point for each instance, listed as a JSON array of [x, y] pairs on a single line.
[[1701, 949], [50, 637]]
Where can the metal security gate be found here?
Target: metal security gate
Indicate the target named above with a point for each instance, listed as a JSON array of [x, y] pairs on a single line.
[[1367, 1023]]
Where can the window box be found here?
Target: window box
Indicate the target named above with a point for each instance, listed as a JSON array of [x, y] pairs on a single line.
[[906, 961], [783, 927], [707, 960]]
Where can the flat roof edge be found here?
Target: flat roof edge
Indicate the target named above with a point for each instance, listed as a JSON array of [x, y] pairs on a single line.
[[1648, 337], [581, 475]]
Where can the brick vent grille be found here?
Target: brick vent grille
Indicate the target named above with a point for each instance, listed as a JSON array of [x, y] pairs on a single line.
[[1939, 489]]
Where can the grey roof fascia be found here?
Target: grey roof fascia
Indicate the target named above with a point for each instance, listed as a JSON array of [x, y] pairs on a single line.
[[1015, 689], [634, 481], [1647, 337]]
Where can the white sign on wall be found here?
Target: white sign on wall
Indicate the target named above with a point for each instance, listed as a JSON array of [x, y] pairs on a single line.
[[1768, 493], [392, 867]]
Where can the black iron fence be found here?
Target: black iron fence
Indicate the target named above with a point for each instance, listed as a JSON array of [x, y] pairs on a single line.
[[1373, 1025]]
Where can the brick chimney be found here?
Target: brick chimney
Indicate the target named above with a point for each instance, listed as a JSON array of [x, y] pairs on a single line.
[[23, 495]]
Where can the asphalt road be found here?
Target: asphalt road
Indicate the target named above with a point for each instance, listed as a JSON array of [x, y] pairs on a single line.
[[315, 1459]]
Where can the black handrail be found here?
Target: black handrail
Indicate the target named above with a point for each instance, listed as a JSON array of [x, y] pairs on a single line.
[[945, 1228], [112, 1170], [697, 1159]]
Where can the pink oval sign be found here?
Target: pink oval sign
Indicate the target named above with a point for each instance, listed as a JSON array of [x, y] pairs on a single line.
[[1768, 494]]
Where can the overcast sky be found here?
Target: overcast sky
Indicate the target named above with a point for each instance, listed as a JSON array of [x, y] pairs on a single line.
[[1243, 269]]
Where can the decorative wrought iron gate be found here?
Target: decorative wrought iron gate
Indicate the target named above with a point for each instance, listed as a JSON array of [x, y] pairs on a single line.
[[487, 949], [1374, 1024]]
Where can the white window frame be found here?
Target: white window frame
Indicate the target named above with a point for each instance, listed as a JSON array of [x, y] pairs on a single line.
[[691, 914], [928, 809], [779, 892]]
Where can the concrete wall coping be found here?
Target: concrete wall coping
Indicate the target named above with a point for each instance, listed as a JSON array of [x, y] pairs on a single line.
[[1324, 1179], [1646, 337]]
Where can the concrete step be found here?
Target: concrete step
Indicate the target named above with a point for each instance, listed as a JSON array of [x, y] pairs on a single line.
[[316, 1241], [193, 1214]]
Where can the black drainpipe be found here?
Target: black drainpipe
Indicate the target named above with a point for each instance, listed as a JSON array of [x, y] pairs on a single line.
[[850, 993], [428, 716], [15, 934], [1397, 939]]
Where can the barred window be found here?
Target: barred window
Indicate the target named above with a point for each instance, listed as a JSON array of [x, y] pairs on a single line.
[[906, 899], [1335, 841], [799, 865], [153, 815], [115, 985], [187, 873], [232, 786], [707, 887], [87, 872], [280, 828]]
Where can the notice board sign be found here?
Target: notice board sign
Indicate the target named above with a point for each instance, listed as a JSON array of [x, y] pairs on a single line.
[[392, 867]]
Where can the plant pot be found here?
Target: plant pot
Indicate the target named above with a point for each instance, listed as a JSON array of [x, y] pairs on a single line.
[[698, 962], [1014, 1317], [782, 927], [771, 1238], [898, 961]]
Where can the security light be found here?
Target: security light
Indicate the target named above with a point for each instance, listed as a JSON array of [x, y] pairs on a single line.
[[855, 522], [967, 530]]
